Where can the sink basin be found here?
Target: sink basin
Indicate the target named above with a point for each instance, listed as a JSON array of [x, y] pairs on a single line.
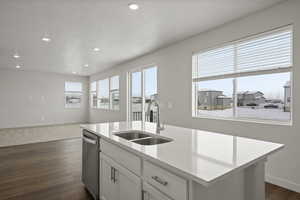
[[132, 135], [152, 141]]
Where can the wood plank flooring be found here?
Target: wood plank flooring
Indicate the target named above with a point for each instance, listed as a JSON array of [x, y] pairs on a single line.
[[43, 171], [52, 171]]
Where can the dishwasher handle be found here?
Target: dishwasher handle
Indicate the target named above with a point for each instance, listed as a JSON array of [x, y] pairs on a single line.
[[88, 140]]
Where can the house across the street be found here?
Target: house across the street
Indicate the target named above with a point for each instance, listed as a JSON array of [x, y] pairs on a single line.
[[213, 100], [250, 98]]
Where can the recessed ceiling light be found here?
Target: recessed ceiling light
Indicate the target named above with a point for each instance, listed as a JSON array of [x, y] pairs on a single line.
[[133, 6], [86, 65], [46, 39], [16, 56], [18, 66], [96, 49], [74, 72]]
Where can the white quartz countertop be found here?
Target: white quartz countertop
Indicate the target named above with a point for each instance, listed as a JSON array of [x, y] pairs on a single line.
[[200, 155]]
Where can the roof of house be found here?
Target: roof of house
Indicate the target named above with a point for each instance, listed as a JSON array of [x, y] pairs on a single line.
[[209, 90], [223, 97], [250, 92]]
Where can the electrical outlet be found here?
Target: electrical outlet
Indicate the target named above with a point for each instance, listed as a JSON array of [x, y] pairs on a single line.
[[170, 105]]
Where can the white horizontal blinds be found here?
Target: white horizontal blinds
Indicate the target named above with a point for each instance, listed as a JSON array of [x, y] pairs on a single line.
[[215, 62], [73, 87], [268, 52], [272, 51], [114, 83], [93, 86], [103, 88]]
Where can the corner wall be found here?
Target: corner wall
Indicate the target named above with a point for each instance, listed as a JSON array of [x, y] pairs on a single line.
[[30, 99], [174, 85]]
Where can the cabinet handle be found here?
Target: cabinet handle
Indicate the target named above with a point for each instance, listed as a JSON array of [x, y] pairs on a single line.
[[144, 194], [159, 180], [88, 140], [115, 179], [112, 174]]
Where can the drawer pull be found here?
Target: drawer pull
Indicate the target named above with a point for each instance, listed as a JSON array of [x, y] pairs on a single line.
[[159, 180]]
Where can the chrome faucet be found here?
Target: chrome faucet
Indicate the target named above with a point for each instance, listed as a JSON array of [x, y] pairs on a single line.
[[154, 102]]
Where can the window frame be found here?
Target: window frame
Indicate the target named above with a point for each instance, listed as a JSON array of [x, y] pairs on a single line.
[[98, 97], [141, 69], [109, 92], [236, 75], [92, 92], [73, 92]]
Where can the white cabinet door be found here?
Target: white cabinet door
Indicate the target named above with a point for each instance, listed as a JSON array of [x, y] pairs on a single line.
[[129, 185], [108, 188], [118, 183], [150, 193]]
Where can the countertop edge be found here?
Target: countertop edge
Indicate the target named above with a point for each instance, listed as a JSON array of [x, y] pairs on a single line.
[[179, 171]]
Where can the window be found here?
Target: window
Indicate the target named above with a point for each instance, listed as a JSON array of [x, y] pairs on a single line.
[[248, 79], [93, 94], [143, 89], [105, 93], [73, 94], [114, 93]]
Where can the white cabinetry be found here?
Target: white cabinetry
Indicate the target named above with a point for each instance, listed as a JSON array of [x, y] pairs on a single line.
[[116, 182], [108, 188], [150, 193], [165, 181]]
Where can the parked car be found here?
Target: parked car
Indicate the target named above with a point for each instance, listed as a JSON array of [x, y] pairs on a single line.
[[271, 106], [252, 104]]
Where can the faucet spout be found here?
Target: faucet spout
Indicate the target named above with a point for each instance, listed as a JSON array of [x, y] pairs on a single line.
[[158, 124]]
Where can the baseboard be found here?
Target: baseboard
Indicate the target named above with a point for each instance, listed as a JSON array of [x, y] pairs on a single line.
[[283, 183], [42, 125]]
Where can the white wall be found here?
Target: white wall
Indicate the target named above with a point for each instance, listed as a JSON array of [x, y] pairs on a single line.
[[174, 77], [34, 98]]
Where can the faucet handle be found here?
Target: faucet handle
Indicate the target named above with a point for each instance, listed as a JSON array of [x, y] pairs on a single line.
[[162, 126]]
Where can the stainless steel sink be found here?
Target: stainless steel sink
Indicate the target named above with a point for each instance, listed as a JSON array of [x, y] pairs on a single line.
[[132, 135], [152, 141]]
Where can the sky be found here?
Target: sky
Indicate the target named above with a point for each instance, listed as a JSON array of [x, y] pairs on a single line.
[[271, 85], [150, 82]]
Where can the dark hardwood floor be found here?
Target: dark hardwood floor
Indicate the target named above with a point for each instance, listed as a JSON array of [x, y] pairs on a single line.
[[43, 171], [52, 170]]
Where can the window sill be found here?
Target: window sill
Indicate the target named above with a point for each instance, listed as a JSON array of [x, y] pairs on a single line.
[[105, 109], [246, 120]]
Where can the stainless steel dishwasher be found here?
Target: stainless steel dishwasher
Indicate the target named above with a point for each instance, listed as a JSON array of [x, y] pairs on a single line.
[[90, 163]]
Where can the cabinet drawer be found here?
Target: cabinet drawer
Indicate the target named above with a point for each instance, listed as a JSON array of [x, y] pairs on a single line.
[[150, 193], [121, 156], [167, 182]]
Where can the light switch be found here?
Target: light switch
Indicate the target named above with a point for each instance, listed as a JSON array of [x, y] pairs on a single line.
[[170, 105], [43, 99]]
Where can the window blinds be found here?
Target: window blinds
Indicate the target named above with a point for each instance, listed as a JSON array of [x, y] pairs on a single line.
[[93, 86], [271, 51], [103, 88], [73, 87], [215, 62]]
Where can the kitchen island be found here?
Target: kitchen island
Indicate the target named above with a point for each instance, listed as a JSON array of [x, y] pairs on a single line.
[[191, 164]]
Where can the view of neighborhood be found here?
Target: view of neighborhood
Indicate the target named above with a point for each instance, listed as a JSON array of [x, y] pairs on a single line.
[[149, 87], [271, 104], [72, 100]]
